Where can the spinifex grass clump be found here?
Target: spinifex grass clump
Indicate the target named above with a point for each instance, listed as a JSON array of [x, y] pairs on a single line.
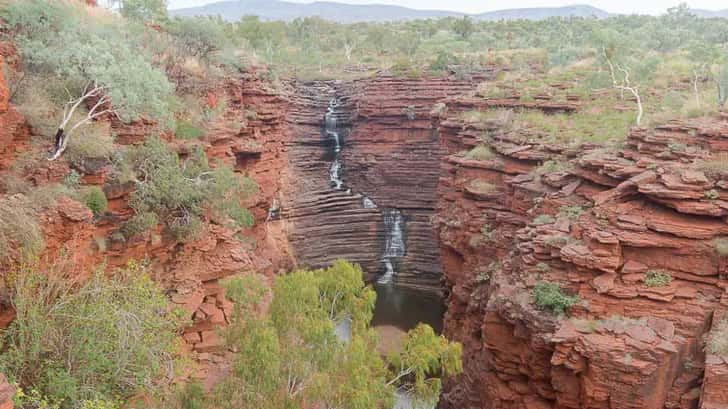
[[481, 186], [658, 278], [480, 152]]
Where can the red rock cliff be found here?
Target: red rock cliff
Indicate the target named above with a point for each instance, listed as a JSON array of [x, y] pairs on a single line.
[[641, 208], [390, 155]]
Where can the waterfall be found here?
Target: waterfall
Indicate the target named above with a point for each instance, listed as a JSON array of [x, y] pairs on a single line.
[[394, 246], [368, 203], [332, 132]]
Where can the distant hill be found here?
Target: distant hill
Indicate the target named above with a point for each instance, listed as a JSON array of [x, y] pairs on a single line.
[[287, 11], [710, 13], [543, 13], [350, 13]]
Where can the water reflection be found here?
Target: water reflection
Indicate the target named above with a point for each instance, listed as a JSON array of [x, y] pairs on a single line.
[[399, 310], [404, 308]]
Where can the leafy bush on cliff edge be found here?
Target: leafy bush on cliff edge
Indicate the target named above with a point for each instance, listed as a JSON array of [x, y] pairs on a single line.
[[183, 193], [101, 341]]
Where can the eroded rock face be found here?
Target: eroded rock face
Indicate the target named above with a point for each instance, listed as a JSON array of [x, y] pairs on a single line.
[[617, 216], [189, 271], [390, 158], [14, 130]]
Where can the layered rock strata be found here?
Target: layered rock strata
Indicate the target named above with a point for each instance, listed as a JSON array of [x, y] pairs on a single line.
[[602, 223]]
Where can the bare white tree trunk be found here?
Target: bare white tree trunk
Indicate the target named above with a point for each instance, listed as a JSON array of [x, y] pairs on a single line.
[[348, 49], [625, 85], [695, 87], [91, 90]]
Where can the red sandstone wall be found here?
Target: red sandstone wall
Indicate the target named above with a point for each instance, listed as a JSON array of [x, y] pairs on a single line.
[[392, 156], [189, 271], [625, 345], [387, 157]]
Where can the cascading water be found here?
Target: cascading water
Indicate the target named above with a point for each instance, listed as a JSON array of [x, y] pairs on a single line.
[[395, 307], [394, 246], [332, 132]]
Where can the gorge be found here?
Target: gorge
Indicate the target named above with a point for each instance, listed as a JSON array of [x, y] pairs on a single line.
[[577, 270]]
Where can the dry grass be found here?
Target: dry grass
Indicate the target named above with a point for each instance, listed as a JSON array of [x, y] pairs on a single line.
[[721, 246], [480, 186], [20, 233], [719, 339], [717, 164]]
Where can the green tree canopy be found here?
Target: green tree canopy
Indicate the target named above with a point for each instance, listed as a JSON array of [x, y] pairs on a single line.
[[292, 354]]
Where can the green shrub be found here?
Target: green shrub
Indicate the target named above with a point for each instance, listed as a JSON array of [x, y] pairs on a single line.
[[83, 345], [711, 194], [480, 152], [553, 166], [95, 199], [181, 192], [550, 296], [251, 114], [188, 130], [146, 11], [72, 180], [658, 278], [92, 142], [200, 37], [487, 232], [193, 396], [718, 343], [243, 217], [571, 212], [543, 219], [139, 224]]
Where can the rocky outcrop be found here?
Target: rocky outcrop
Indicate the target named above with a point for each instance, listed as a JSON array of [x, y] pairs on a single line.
[[14, 130], [600, 223], [7, 391], [249, 136]]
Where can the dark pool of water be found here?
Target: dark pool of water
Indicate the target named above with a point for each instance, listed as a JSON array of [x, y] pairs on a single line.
[[404, 308]]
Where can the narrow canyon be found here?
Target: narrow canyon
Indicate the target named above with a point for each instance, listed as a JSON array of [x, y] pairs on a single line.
[[372, 170]]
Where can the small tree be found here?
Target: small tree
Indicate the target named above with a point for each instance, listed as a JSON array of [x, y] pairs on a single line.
[[200, 37], [624, 82], [721, 82], [464, 27], [104, 72], [425, 359], [292, 358], [143, 10]]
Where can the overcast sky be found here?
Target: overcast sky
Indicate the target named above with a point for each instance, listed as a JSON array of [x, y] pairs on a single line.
[[479, 6]]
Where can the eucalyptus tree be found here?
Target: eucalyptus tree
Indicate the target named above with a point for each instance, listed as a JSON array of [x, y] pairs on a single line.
[[290, 356]]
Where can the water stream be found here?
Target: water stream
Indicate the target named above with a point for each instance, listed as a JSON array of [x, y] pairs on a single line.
[[394, 247], [398, 309], [332, 132]]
